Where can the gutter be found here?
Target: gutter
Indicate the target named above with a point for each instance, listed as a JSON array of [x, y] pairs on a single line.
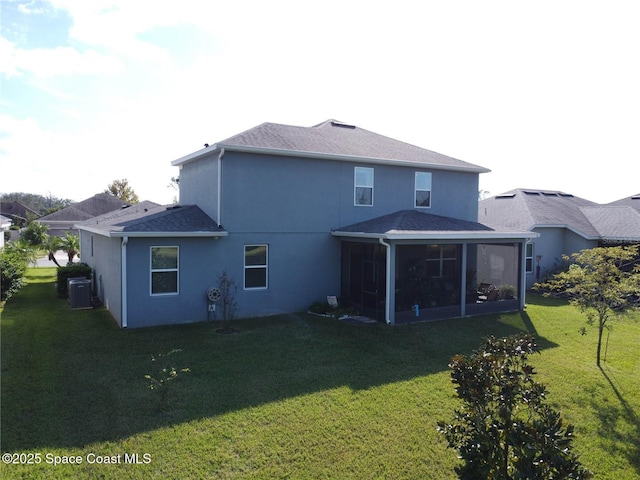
[[440, 236], [123, 282], [387, 283]]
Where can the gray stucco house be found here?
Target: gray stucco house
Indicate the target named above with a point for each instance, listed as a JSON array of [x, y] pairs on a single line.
[[296, 214], [565, 223]]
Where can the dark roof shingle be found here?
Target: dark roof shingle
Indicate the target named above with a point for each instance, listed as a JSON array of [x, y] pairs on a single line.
[[333, 139], [150, 218]]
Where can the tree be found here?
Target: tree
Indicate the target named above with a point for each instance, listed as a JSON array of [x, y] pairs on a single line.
[[70, 244], [504, 430], [38, 203], [52, 245], [122, 190], [35, 233], [602, 282]]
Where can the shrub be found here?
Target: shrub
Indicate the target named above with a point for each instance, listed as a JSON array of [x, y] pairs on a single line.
[[163, 375], [13, 266], [504, 430], [71, 271]]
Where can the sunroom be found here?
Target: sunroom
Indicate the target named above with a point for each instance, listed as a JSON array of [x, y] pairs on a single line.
[[411, 266]]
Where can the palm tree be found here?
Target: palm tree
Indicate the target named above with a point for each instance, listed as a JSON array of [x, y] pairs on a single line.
[[70, 243], [52, 245]]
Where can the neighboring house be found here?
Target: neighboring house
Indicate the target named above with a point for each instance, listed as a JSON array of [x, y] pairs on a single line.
[[5, 224], [63, 220], [17, 212], [632, 201], [296, 214], [566, 224]]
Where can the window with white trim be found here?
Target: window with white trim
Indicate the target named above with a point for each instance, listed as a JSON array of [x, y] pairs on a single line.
[[164, 270], [423, 190], [363, 186], [256, 264], [528, 256]]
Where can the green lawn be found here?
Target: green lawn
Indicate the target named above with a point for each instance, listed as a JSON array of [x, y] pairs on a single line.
[[292, 396]]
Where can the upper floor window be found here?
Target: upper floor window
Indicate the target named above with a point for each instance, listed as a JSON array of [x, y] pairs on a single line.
[[255, 266], [423, 190], [363, 186], [164, 270]]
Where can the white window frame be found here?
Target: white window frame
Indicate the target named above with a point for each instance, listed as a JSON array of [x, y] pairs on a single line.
[[416, 190], [528, 260], [356, 185], [264, 266], [164, 270]]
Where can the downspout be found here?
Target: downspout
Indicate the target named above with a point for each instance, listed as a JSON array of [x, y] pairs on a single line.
[[387, 304], [123, 282], [523, 274], [219, 219]]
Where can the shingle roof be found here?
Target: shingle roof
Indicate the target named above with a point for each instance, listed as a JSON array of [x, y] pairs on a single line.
[[525, 209], [413, 223], [632, 201], [614, 222], [16, 210], [149, 219], [89, 208], [333, 139]]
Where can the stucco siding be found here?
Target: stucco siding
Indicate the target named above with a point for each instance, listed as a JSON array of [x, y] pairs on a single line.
[[104, 256], [283, 194], [200, 264], [199, 185], [301, 269]]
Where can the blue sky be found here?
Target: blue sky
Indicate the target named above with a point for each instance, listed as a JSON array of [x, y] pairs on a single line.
[[545, 93]]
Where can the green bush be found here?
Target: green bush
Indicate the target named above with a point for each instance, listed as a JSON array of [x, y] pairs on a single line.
[[71, 271], [13, 267]]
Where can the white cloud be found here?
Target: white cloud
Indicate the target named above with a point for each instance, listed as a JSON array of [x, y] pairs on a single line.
[[65, 61]]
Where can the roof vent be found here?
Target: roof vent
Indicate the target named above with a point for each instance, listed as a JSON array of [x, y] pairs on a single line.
[[506, 195], [530, 192], [635, 197], [550, 194], [342, 125]]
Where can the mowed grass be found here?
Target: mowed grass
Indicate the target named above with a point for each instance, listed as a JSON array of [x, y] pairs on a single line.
[[291, 396]]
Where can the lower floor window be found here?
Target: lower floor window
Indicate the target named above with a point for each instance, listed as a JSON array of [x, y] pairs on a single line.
[[164, 270], [256, 266]]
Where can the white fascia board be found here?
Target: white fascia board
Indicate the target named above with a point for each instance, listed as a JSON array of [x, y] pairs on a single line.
[[570, 228], [195, 155], [167, 234], [441, 236], [121, 234], [325, 156], [90, 229]]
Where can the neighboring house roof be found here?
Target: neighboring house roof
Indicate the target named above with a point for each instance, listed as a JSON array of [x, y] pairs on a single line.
[[632, 201], [148, 219], [332, 140], [91, 207], [5, 222], [415, 225], [615, 223], [527, 209], [16, 210]]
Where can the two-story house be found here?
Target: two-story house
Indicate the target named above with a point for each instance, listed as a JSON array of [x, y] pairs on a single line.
[[296, 214]]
